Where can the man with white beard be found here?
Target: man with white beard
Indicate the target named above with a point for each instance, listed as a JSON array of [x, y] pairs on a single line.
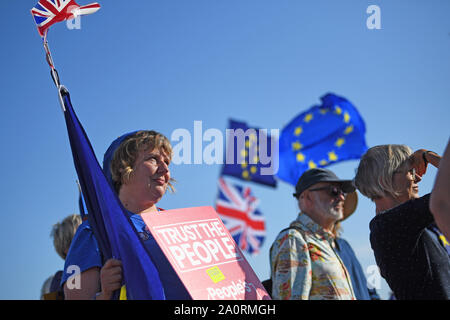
[[304, 263]]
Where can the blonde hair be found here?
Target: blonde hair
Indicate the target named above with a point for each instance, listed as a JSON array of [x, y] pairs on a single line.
[[125, 156], [63, 232], [375, 173]]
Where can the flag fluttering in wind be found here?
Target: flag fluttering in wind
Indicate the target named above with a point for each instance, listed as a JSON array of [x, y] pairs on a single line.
[[249, 154], [48, 12], [329, 133], [237, 208]]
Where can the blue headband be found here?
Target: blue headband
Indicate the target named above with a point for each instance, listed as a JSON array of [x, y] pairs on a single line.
[[107, 158]]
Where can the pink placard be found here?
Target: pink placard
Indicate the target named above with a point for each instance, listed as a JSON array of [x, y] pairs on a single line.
[[204, 255]]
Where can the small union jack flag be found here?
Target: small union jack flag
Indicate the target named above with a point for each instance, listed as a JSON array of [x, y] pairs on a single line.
[[237, 208], [48, 12]]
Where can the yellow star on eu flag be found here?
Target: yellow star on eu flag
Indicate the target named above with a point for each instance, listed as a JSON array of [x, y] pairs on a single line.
[[332, 156], [346, 117], [308, 117], [349, 129], [300, 157], [337, 110], [296, 146], [298, 131], [311, 164], [339, 142]]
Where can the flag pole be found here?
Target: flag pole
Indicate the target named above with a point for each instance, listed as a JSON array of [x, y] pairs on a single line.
[[81, 202], [53, 71]]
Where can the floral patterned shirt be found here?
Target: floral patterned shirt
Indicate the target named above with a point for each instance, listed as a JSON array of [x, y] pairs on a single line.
[[304, 264]]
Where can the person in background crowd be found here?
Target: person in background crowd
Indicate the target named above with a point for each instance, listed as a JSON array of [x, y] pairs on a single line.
[[440, 196], [304, 264], [407, 249], [62, 234]]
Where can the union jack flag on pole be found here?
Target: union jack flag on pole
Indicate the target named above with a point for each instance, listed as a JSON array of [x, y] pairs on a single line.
[[237, 208], [48, 12]]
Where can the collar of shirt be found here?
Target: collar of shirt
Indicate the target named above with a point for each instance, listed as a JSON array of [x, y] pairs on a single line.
[[307, 224]]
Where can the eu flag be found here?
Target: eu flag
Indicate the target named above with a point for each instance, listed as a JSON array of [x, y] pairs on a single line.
[[113, 229], [250, 154], [321, 136]]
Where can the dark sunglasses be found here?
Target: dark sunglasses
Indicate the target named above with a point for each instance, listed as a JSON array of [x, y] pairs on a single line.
[[411, 171], [332, 190]]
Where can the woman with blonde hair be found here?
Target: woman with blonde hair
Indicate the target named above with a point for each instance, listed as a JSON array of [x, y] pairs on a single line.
[[137, 167], [404, 238]]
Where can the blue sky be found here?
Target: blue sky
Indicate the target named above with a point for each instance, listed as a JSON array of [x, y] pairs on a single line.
[[164, 64]]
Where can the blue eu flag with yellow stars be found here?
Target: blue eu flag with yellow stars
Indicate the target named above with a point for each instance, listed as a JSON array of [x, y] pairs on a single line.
[[250, 154], [321, 136]]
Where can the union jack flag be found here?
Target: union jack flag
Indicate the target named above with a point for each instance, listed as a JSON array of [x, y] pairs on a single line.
[[237, 208], [48, 12]]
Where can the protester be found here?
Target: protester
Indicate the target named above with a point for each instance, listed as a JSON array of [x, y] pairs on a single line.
[[440, 196], [62, 234], [137, 166], [304, 264], [407, 250], [351, 262]]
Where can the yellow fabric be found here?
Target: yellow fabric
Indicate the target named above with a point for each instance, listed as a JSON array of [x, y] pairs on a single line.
[[123, 293]]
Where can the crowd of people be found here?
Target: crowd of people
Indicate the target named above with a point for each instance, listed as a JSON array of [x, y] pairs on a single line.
[[309, 259]]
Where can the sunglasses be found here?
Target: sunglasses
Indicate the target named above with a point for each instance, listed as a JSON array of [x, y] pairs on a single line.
[[332, 190], [411, 171]]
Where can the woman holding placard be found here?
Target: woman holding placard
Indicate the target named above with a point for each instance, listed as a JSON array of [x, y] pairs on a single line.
[[137, 166]]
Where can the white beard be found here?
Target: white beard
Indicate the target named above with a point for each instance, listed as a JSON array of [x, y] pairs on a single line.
[[337, 213], [330, 210]]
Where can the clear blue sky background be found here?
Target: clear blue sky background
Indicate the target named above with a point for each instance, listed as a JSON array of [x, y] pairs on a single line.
[[164, 64]]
